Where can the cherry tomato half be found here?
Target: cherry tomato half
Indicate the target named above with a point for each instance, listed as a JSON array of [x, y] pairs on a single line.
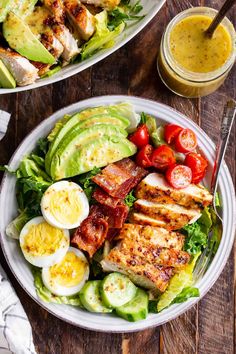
[[163, 157], [140, 137], [198, 165], [179, 176], [186, 141], [171, 132], [144, 156]]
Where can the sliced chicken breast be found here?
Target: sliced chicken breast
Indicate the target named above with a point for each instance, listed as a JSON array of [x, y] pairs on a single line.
[[69, 43], [56, 22], [155, 188], [142, 219], [80, 18], [21, 69], [154, 235], [56, 7], [105, 4], [148, 255], [174, 216]]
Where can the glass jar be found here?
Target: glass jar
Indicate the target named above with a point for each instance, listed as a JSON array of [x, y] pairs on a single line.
[[188, 83]]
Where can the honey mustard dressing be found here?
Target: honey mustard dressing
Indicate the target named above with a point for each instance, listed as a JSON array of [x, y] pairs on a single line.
[[194, 50], [191, 64]]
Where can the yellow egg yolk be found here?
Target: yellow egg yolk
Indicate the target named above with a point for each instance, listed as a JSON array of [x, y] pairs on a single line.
[[43, 239], [69, 272], [65, 206]]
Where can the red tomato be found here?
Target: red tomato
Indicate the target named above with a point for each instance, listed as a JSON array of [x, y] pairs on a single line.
[[163, 157], [198, 165], [186, 141], [144, 156], [179, 176], [140, 137], [171, 132]]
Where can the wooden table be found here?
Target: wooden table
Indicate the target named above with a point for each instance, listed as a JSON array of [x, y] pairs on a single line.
[[208, 328]]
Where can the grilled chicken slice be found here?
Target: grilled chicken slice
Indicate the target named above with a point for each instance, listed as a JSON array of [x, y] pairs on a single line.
[[174, 216], [155, 188], [70, 45], [56, 21], [21, 69], [56, 7], [154, 235], [142, 219], [52, 44], [148, 255], [105, 4], [80, 18]]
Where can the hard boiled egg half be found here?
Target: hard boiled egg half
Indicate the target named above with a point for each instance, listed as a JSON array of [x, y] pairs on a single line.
[[43, 244], [69, 276], [65, 205]]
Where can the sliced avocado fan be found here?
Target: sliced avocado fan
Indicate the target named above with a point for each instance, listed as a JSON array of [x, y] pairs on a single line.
[[6, 78], [82, 120], [103, 145], [21, 39]]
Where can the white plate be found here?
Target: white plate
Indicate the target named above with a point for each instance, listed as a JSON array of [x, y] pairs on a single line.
[[110, 323], [150, 9]]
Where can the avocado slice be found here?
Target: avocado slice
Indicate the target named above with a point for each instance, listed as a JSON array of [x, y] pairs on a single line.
[[96, 146], [20, 38], [81, 121], [6, 78]]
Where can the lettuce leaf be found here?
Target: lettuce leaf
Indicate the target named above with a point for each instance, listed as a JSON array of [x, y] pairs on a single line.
[[197, 233], [185, 294], [103, 37], [14, 228], [45, 295]]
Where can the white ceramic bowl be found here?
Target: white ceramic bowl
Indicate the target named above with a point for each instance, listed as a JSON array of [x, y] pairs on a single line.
[[150, 9], [110, 323]]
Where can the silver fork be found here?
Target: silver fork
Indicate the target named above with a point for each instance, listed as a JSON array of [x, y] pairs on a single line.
[[226, 126]]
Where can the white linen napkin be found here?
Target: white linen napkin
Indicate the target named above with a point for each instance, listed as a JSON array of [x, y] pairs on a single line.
[[15, 330]]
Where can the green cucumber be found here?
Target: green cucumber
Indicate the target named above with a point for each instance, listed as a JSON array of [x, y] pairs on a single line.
[[136, 309], [91, 299], [117, 290]]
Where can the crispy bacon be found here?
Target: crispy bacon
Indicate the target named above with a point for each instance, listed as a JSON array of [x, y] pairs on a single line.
[[138, 173], [117, 179], [104, 198], [115, 216], [92, 232]]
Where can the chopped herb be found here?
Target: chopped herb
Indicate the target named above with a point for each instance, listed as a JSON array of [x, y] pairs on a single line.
[[125, 12], [130, 199]]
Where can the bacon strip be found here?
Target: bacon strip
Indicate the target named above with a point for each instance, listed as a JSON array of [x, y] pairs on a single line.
[[92, 232], [104, 198], [119, 178]]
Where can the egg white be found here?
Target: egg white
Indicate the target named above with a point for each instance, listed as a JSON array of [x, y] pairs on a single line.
[[44, 260], [69, 187], [60, 290]]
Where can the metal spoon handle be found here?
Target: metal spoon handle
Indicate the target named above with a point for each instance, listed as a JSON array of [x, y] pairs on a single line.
[[219, 17], [226, 126]]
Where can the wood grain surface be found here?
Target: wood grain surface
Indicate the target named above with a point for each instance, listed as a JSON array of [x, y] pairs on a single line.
[[207, 328]]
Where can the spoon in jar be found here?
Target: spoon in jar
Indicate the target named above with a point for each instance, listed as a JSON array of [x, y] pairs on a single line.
[[219, 17]]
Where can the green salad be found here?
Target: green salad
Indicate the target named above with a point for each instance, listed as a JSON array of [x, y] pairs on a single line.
[[39, 37], [103, 231]]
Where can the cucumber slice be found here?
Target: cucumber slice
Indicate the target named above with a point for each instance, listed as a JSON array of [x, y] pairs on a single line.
[[136, 309], [91, 299], [117, 290]]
